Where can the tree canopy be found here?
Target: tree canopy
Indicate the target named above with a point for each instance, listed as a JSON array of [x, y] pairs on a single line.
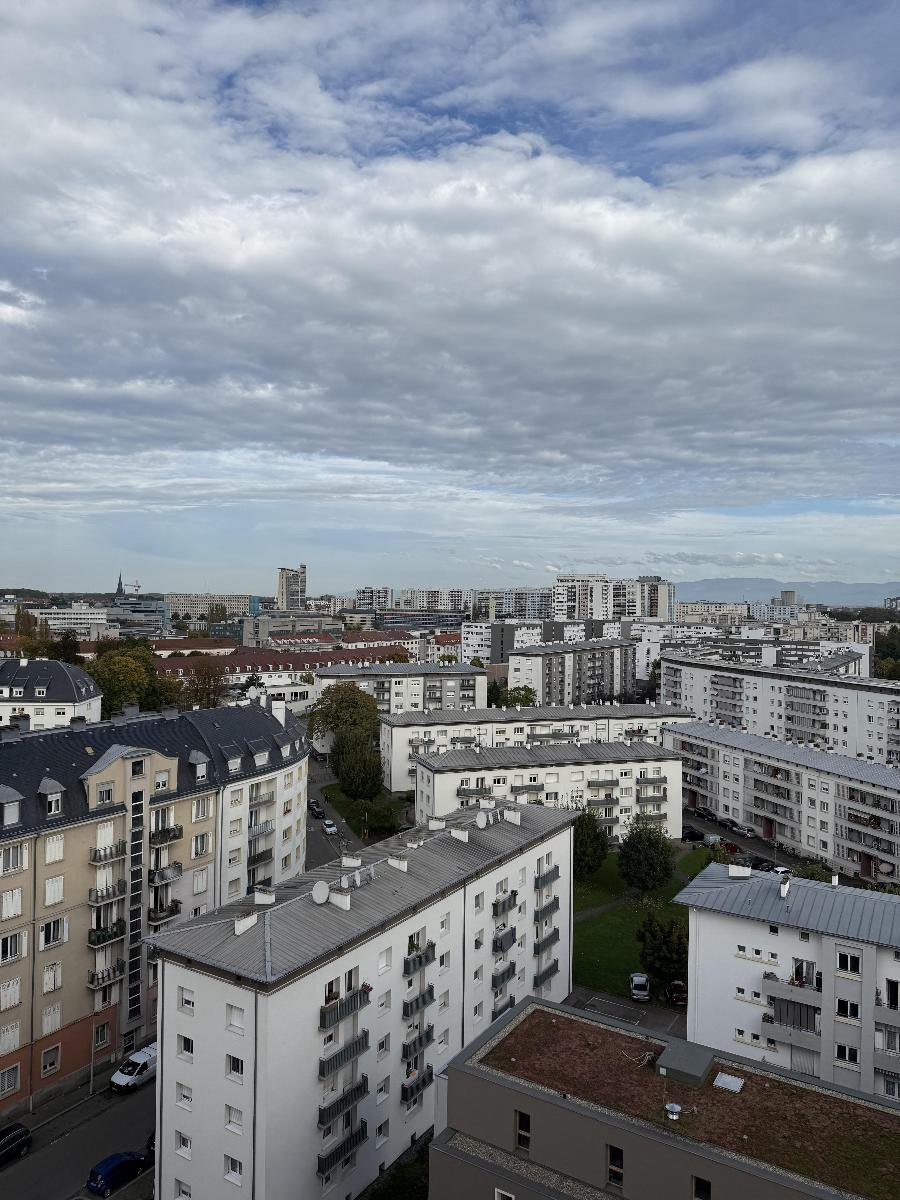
[[645, 856], [501, 697], [590, 845], [126, 674], [343, 706], [663, 947]]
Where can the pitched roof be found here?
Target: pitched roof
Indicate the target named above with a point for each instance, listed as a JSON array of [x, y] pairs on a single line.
[[527, 756], [63, 683], [539, 712]]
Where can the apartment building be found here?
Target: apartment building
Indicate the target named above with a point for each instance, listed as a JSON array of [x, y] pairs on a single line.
[[799, 974], [112, 831], [41, 693], [520, 603], [494, 641], [844, 811], [257, 632], [398, 687], [575, 672], [814, 702], [442, 647], [404, 735], [368, 598], [302, 1029], [617, 781], [86, 620], [437, 599], [194, 605], [290, 588], [387, 639], [598, 596], [712, 612], [557, 1103]]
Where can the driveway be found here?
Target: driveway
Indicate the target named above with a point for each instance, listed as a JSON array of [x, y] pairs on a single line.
[[653, 1018], [321, 849]]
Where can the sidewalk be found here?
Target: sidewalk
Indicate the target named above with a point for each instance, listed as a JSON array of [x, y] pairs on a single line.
[[77, 1104]]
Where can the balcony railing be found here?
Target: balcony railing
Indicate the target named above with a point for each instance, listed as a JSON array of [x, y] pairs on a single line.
[[417, 1044], [519, 789], [260, 829], [547, 974], [473, 793], [887, 1014], [412, 1088], [349, 1097], [418, 1003], [338, 1010], [545, 943], [262, 856], [503, 941], [546, 910], [105, 894], [101, 979], [344, 1054], [419, 959], [647, 814], [262, 798], [499, 1009], [344, 1148], [546, 878], [504, 904], [161, 875], [107, 854], [162, 837], [157, 916], [603, 783], [106, 933], [503, 975]]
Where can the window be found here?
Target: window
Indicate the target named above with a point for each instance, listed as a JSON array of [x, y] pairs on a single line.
[[101, 1035], [161, 783], [11, 904], [182, 1144], [773, 929], [200, 808], [702, 1189], [384, 960], [847, 1054], [199, 845], [200, 880], [478, 1010], [234, 1068], [9, 1080], [233, 1169], [185, 1047], [9, 1038], [52, 977], [234, 887], [137, 768], [50, 1060], [444, 961], [523, 1131], [445, 924], [182, 1190], [237, 797], [479, 902], [198, 910], [384, 1045], [54, 847], [234, 827], [848, 1009], [53, 933], [104, 793], [384, 1001], [615, 1165], [847, 962], [443, 1041], [382, 1132], [53, 890], [10, 811], [234, 1018], [54, 804], [10, 993], [184, 1095], [234, 856], [234, 1118], [51, 1019], [383, 1090], [186, 999]]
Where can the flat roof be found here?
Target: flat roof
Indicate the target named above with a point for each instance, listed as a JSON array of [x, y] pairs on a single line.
[[809, 1131], [563, 647], [538, 712], [811, 673], [527, 756], [795, 753], [404, 668]]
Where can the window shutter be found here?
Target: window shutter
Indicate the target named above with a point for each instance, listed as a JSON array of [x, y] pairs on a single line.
[[23, 938], [53, 889], [24, 856], [105, 833], [12, 903], [65, 929], [9, 1038], [10, 993]]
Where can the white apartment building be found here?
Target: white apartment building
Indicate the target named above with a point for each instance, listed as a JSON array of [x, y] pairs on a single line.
[[517, 603], [651, 636], [374, 598], [301, 1030], [41, 693], [596, 596], [87, 621], [617, 781], [575, 672], [813, 702], [844, 811], [290, 588], [437, 599], [798, 974], [407, 734], [194, 605], [387, 639], [712, 612], [398, 687]]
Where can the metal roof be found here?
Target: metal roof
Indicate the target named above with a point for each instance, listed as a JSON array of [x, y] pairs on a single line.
[[546, 712], [535, 756], [565, 647], [294, 935], [355, 669], [64, 683], [796, 753], [842, 912], [810, 673]]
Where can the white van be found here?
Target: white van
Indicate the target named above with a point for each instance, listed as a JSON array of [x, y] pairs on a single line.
[[137, 1069]]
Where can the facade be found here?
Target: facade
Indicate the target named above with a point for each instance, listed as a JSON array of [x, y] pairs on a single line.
[[290, 589], [713, 612], [519, 603], [86, 620], [302, 1029], [575, 672], [494, 641], [386, 639], [814, 703], [194, 605], [892, 603], [445, 646], [112, 832], [398, 687], [597, 596], [457, 600], [406, 734], [374, 597], [560, 1104], [801, 974], [843, 811], [41, 693], [258, 631], [617, 781]]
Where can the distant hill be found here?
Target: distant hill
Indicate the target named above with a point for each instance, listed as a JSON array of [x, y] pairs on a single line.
[[827, 592]]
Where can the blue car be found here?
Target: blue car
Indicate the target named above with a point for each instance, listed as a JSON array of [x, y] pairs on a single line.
[[114, 1172]]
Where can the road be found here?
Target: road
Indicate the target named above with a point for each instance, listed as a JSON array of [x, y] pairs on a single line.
[[754, 845], [65, 1150], [321, 849]]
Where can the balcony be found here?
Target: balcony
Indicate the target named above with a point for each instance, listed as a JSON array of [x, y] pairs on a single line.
[[344, 1054], [109, 975], [503, 941], [463, 740], [504, 904], [503, 975], [545, 943], [106, 894], [161, 875], [547, 974], [886, 1014], [348, 1098], [787, 989], [546, 910], [419, 959], [603, 783], [338, 1010], [417, 1044], [344, 1148], [262, 798], [650, 815], [887, 1060], [158, 916], [107, 854], [413, 1087], [260, 829], [499, 1009], [418, 1003], [106, 933], [169, 833], [262, 856], [806, 1039], [546, 878], [473, 793], [519, 789]]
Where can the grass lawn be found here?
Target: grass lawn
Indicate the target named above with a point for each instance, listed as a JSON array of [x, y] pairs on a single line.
[[602, 887], [384, 811]]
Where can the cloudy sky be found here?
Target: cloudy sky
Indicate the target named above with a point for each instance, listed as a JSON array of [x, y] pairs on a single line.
[[444, 292]]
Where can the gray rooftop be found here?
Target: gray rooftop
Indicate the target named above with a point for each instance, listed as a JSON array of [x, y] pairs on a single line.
[[876, 774], [540, 712], [354, 669], [808, 673], [565, 647], [295, 935], [59, 681], [537, 756], [843, 912]]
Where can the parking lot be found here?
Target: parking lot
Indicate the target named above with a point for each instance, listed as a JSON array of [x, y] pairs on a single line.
[[651, 1017]]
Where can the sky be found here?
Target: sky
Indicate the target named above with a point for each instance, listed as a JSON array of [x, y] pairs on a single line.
[[447, 293]]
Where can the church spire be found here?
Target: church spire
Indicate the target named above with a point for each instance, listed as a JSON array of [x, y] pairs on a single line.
[[120, 589]]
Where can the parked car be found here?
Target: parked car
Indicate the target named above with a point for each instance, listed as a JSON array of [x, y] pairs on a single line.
[[729, 823], [115, 1171], [782, 870], [15, 1142], [730, 847], [745, 830], [706, 813], [711, 839], [639, 986], [329, 827], [316, 809], [137, 1069], [691, 834], [676, 993]]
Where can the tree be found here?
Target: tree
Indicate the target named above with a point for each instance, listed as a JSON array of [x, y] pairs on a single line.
[[495, 694], [25, 622], [591, 845], [476, 662], [253, 680], [217, 614], [645, 856], [343, 706], [811, 868], [65, 648], [357, 765], [663, 947], [206, 686], [448, 658], [523, 696], [122, 678], [653, 680]]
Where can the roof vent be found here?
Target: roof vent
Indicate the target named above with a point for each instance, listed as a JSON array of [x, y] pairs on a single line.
[[398, 862], [263, 895], [461, 835], [513, 815], [435, 823], [785, 888], [673, 1111], [242, 924], [834, 880]]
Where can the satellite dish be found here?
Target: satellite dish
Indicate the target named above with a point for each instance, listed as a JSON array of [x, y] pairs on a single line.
[[321, 891], [481, 820]]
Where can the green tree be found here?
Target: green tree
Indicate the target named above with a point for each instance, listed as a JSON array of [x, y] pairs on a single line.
[[65, 648], [341, 707], [357, 765], [810, 868], [663, 947], [523, 696], [476, 662], [24, 623], [207, 684], [653, 680], [645, 856], [122, 678], [495, 694], [590, 845], [448, 658], [217, 614], [253, 680]]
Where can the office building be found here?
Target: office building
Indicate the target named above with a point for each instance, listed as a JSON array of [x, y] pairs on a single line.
[[401, 686], [556, 1103], [259, 631], [87, 621], [302, 1029], [575, 672], [41, 693], [800, 974], [290, 590], [191, 606]]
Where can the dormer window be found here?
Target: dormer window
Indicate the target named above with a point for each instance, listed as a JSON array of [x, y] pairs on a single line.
[[10, 811], [162, 781], [18, 691], [201, 772], [234, 764], [261, 759], [54, 804], [104, 793], [40, 692], [137, 768]]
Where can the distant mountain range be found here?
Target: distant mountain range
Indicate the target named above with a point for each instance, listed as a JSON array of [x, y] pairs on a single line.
[[832, 591]]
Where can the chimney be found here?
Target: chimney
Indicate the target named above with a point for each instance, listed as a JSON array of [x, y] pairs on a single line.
[[263, 895], [834, 880], [169, 712], [24, 722], [130, 710], [785, 887]]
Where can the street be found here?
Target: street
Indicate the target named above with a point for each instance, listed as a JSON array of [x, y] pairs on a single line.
[[321, 849], [754, 845]]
